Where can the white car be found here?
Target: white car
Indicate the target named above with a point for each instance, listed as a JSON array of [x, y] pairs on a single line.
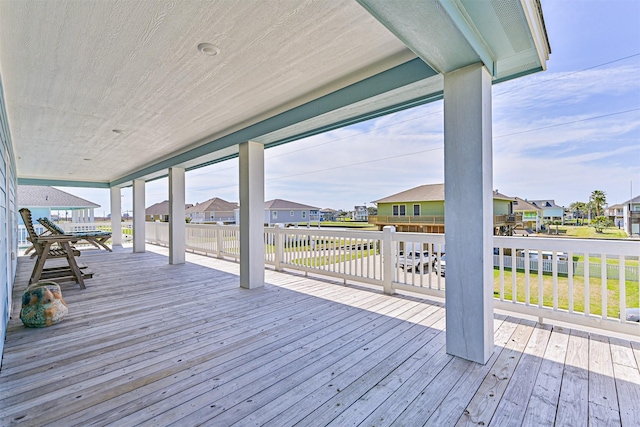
[[418, 261]]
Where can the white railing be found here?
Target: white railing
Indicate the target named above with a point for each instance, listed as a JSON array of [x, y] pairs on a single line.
[[71, 227], [583, 281], [574, 277]]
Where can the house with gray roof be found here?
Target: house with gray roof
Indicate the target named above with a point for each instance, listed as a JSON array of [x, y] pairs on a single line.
[[421, 209], [626, 215], [159, 211], [42, 200], [212, 210], [279, 211], [550, 211]]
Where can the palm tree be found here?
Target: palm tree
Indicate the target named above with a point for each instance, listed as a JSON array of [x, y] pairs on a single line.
[[598, 198], [578, 208]]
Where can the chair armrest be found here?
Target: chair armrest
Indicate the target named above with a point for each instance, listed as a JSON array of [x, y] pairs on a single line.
[[56, 238]]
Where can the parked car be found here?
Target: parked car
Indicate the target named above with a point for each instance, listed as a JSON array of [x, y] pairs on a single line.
[[443, 265], [633, 314], [418, 261]]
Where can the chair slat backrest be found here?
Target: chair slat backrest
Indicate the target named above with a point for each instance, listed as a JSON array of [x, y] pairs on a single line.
[[28, 223], [49, 225]]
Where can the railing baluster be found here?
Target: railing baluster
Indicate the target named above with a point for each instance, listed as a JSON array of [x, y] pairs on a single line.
[[587, 296], [540, 277], [570, 279], [603, 278], [527, 277], [554, 275], [514, 276], [622, 283], [501, 271]]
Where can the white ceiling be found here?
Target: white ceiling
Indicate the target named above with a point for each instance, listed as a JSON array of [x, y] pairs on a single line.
[[74, 71]]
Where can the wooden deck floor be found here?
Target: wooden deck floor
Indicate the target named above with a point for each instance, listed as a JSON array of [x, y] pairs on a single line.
[[148, 343]]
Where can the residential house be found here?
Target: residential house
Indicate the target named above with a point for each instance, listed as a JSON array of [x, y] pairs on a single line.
[[615, 213], [531, 214], [213, 210], [328, 214], [159, 211], [549, 210], [360, 213], [421, 209], [42, 200], [631, 216], [279, 211]]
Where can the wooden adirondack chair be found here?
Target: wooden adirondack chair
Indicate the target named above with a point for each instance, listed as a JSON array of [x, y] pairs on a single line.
[[50, 247], [96, 238]]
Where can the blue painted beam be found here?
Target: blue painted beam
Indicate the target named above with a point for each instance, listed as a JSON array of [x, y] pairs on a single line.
[[62, 183]]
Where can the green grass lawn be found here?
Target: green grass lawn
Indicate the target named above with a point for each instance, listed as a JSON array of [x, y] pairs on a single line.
[[595, 292], [585, 232]]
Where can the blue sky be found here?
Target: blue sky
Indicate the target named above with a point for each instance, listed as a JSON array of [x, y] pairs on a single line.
[[559, 134]]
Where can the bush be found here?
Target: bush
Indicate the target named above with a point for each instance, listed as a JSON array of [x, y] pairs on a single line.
[[600, 223]]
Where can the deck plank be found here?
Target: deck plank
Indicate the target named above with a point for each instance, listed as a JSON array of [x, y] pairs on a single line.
[[573, 405], [627, 379], [483, 405], [373, 344], [513, 405], [302, 350], [452, 406], [603, 398], [543, 403]]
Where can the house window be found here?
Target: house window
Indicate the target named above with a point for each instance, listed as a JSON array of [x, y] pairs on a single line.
[[304, 214], [403, 210], [290, 213], [395, 210], [274, 214], [416, 210]]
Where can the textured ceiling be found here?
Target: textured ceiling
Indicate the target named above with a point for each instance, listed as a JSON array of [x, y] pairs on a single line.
[[75, 71]]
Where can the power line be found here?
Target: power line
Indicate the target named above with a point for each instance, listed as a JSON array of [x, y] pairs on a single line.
[[568, 74], [440, 111], [567, 123]]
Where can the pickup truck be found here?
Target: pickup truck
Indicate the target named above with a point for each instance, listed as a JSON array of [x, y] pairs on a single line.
[[418, 261]]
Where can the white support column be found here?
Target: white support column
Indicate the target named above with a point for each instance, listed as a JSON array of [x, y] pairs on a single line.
[[468, 212], [177, 223], [138, 215], [92, 216], [116, 216], [251, 215]]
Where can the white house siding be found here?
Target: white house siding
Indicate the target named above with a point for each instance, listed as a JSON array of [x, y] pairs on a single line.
[[8, 220]]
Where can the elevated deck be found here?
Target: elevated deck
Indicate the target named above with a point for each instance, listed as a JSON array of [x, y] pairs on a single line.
[[149, 343]]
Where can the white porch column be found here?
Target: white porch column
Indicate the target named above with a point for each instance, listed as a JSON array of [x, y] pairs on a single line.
[[177, 224], [251, 215], [138, 215], [468, 212], [116, 216], [92, 216]]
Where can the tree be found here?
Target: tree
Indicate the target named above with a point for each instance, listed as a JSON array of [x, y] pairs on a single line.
[[598, 199], [600, 223], [578, 209], [372, 211]]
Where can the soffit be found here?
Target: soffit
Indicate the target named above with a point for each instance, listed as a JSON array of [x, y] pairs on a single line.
[[74, 71], [508, 36]]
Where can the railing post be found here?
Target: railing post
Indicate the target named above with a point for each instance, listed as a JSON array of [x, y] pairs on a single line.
[[219, 240], [387, 259], [279, 243]]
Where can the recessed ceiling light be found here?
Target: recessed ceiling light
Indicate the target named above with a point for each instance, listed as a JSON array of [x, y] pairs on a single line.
[[118, 131], [208, 49]]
